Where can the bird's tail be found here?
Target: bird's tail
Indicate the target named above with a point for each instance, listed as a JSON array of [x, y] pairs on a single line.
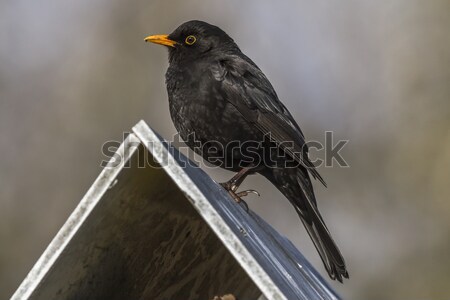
[[295, 184]]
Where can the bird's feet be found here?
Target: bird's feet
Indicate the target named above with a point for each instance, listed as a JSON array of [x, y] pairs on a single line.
[[233, 184], [245, 193], [231, 188]]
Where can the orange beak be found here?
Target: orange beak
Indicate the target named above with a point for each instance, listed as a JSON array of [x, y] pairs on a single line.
[[162, 39]]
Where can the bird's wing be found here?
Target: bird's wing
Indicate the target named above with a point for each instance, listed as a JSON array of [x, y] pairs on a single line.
[[246, 87]]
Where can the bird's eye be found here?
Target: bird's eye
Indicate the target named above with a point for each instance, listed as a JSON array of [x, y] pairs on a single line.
[[190, 40]]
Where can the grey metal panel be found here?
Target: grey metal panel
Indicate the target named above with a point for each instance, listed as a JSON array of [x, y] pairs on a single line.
[[135, 236], [274, 264]]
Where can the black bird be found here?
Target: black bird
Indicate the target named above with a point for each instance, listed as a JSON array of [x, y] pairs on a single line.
[[225, 108]]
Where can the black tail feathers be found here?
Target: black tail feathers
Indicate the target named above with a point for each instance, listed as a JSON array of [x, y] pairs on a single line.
[[295, 184], [320, 235]]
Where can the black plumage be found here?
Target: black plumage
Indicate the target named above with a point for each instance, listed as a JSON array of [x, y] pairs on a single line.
[[217, 97]]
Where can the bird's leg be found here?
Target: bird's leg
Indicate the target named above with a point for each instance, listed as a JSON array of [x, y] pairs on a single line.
[[233, 184], [235, 181]]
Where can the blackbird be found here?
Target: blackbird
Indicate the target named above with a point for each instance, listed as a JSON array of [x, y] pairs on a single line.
[[225, 109]]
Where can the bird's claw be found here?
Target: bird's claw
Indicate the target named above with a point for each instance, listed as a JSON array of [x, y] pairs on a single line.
[[238, 199], [247, 192], [228, 186], [243, 203], [238, 196]]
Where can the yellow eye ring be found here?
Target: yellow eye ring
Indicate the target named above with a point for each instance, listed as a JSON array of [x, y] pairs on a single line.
[[190, 40]]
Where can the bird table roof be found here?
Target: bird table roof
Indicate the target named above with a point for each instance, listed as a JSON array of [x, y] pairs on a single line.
[[155, 226]]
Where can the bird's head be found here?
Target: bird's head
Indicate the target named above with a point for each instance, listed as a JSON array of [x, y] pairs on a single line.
[[191, 40]]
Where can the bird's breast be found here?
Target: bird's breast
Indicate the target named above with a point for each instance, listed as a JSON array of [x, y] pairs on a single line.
[[203, 116], [206, 114]]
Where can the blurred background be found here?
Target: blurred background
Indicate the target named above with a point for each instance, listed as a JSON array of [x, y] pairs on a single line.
[[75, 74]]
